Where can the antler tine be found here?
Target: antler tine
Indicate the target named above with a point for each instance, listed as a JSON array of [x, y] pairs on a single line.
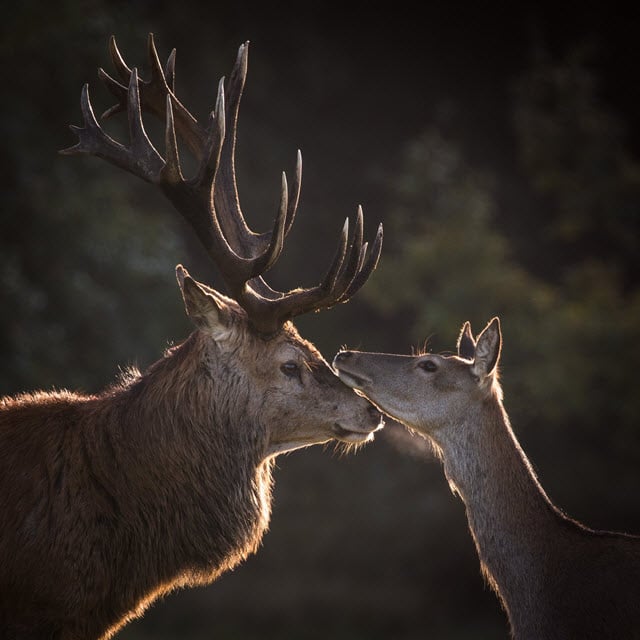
[[226, 199], [337, 263], [142, 149], [118, 61], [339, 275], [238, 226], [171, 172], [365, 269], [170, 71], [349, 267], [355, 249], [115, 87], [213, 145], [295, 192], [283, 222], [271, 255], [141, 158]]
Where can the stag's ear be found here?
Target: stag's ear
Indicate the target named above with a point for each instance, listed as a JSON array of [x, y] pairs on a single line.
[[203, 307], [466, 343], [487, 351]]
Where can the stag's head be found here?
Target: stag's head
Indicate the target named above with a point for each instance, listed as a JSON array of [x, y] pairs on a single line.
[[300, 399], [285, 380]]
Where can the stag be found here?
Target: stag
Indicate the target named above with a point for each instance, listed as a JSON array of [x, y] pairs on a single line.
[[164, 479], [556, 578]]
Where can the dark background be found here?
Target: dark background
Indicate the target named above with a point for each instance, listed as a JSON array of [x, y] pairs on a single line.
[[499, 147]]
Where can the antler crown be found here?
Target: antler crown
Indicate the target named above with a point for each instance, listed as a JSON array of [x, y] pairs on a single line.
[[209, 201]]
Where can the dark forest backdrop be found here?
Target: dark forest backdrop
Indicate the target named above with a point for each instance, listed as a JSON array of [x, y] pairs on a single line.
[[500, 148]]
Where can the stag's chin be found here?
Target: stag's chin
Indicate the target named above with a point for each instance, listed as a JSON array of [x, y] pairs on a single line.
[[349, 436], [335, 433]]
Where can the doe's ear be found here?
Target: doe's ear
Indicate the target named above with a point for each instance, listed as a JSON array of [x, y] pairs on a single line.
[[466, 343], [488, 347], [203, 308]]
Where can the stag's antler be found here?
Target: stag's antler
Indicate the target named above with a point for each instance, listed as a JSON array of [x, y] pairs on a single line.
[[209, 201]]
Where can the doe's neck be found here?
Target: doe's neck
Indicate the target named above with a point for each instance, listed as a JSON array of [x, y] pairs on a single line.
[[510, 516]]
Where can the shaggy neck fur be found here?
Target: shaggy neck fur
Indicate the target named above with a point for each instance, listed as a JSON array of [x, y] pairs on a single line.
[[177, 425]]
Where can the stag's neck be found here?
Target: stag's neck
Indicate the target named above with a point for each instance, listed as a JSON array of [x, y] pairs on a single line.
[[184, 398], [515, 527], [185, 462]]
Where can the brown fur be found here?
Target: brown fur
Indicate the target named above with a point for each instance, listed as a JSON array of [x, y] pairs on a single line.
[[556, 578], [164, 480]]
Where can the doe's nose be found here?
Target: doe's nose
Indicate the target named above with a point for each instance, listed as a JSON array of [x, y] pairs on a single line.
[[342, 356]]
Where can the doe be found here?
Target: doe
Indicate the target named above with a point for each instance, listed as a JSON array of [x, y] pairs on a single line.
[[556, 578]]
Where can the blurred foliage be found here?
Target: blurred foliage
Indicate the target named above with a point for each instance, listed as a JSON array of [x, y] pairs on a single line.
[[371, 545], [573, 151], [86, 268]]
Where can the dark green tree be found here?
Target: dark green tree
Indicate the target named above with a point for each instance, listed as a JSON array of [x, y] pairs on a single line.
[[573, 150]]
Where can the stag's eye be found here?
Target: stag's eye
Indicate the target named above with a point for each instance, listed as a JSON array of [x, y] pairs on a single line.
[[290, 369], [428, 365]]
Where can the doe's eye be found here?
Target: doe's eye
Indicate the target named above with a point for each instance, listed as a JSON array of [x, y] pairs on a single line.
[[290, 369], [428, 365]]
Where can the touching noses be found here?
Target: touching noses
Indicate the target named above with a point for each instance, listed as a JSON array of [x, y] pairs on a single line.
[[342, 356], [375, 415]]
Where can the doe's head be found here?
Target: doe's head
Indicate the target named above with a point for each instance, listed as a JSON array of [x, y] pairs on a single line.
[[427, 392]]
